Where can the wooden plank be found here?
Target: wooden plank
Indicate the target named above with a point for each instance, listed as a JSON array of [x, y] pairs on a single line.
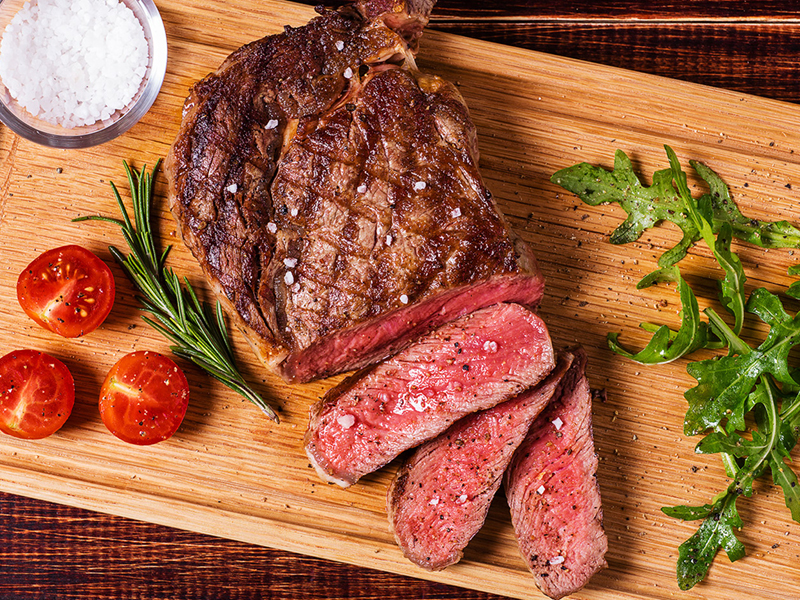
[[616, 10], [753, 58], [229, 472], [145, 561]]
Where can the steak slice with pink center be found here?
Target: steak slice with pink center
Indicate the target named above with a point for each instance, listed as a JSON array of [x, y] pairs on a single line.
[[441, 496], [470, 364], [552, 490]]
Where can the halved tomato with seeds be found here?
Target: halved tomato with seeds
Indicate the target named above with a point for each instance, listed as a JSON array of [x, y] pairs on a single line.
[[144, 398], [37, 394], [67, 290]]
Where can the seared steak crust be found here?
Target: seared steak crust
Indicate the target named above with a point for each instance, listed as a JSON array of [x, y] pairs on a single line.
[[441, 495], [470, 364], [331, 193], [552, 490]]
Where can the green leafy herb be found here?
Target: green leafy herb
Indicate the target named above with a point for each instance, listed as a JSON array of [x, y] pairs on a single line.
[[748, 381], [700, 214], [772, 440], [665, 345], [647, 206], [198, 334], [718, 530], [724, 383], [794, 288]]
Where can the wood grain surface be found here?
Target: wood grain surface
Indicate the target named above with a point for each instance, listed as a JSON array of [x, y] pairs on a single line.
[[576, 113]]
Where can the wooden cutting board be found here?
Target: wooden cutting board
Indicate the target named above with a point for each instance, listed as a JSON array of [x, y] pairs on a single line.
[[231, 472]]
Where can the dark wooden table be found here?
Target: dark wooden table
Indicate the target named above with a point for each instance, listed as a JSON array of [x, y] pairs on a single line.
[[57, 552]]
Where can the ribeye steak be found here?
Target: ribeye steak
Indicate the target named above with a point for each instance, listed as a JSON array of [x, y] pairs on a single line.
[[331, 193]]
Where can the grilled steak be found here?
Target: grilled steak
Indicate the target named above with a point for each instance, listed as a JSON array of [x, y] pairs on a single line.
[[442, 493], [552, 490], [331, 193], [470, 364]]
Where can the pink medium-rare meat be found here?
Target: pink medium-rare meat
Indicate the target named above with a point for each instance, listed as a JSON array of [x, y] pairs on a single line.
[[470, 364], [441, 495], [551, 487], [330, 192]]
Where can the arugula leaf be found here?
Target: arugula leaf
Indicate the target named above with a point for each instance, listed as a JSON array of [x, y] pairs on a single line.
[[767, 234], [700, 213], [718, 530], [782, 473], [723, 384], [785, 477], [731, 287], [794, 288], [665, 347], [647, 206], [764, 450], [771, 443]]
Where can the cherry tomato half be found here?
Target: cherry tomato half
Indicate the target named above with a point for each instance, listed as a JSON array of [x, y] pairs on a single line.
[[37, 394], [144, 398], [67, 290]]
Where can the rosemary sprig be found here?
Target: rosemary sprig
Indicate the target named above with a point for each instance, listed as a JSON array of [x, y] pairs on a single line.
[[197, 334]]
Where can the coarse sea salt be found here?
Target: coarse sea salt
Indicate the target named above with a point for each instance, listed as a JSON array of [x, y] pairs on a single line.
[[490, 346], [73, 62], [346, 421]]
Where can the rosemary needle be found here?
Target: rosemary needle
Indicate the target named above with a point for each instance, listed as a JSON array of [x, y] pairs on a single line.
[[197, 334]]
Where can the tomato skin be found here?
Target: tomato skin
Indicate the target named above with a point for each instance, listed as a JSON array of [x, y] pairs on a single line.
[[67, 290], [144, 398], [37, 394]]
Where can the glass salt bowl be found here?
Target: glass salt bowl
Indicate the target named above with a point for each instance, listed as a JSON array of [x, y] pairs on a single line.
[[23, 123]]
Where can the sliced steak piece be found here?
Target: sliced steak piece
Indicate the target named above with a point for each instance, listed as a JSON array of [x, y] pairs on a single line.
[[470, 364], [440, 497], [331, 194], [552, 490]]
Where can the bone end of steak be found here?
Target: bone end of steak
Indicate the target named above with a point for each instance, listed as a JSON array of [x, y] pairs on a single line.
[[442, 493], [552, 490], [467, 365], [406, 17]]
